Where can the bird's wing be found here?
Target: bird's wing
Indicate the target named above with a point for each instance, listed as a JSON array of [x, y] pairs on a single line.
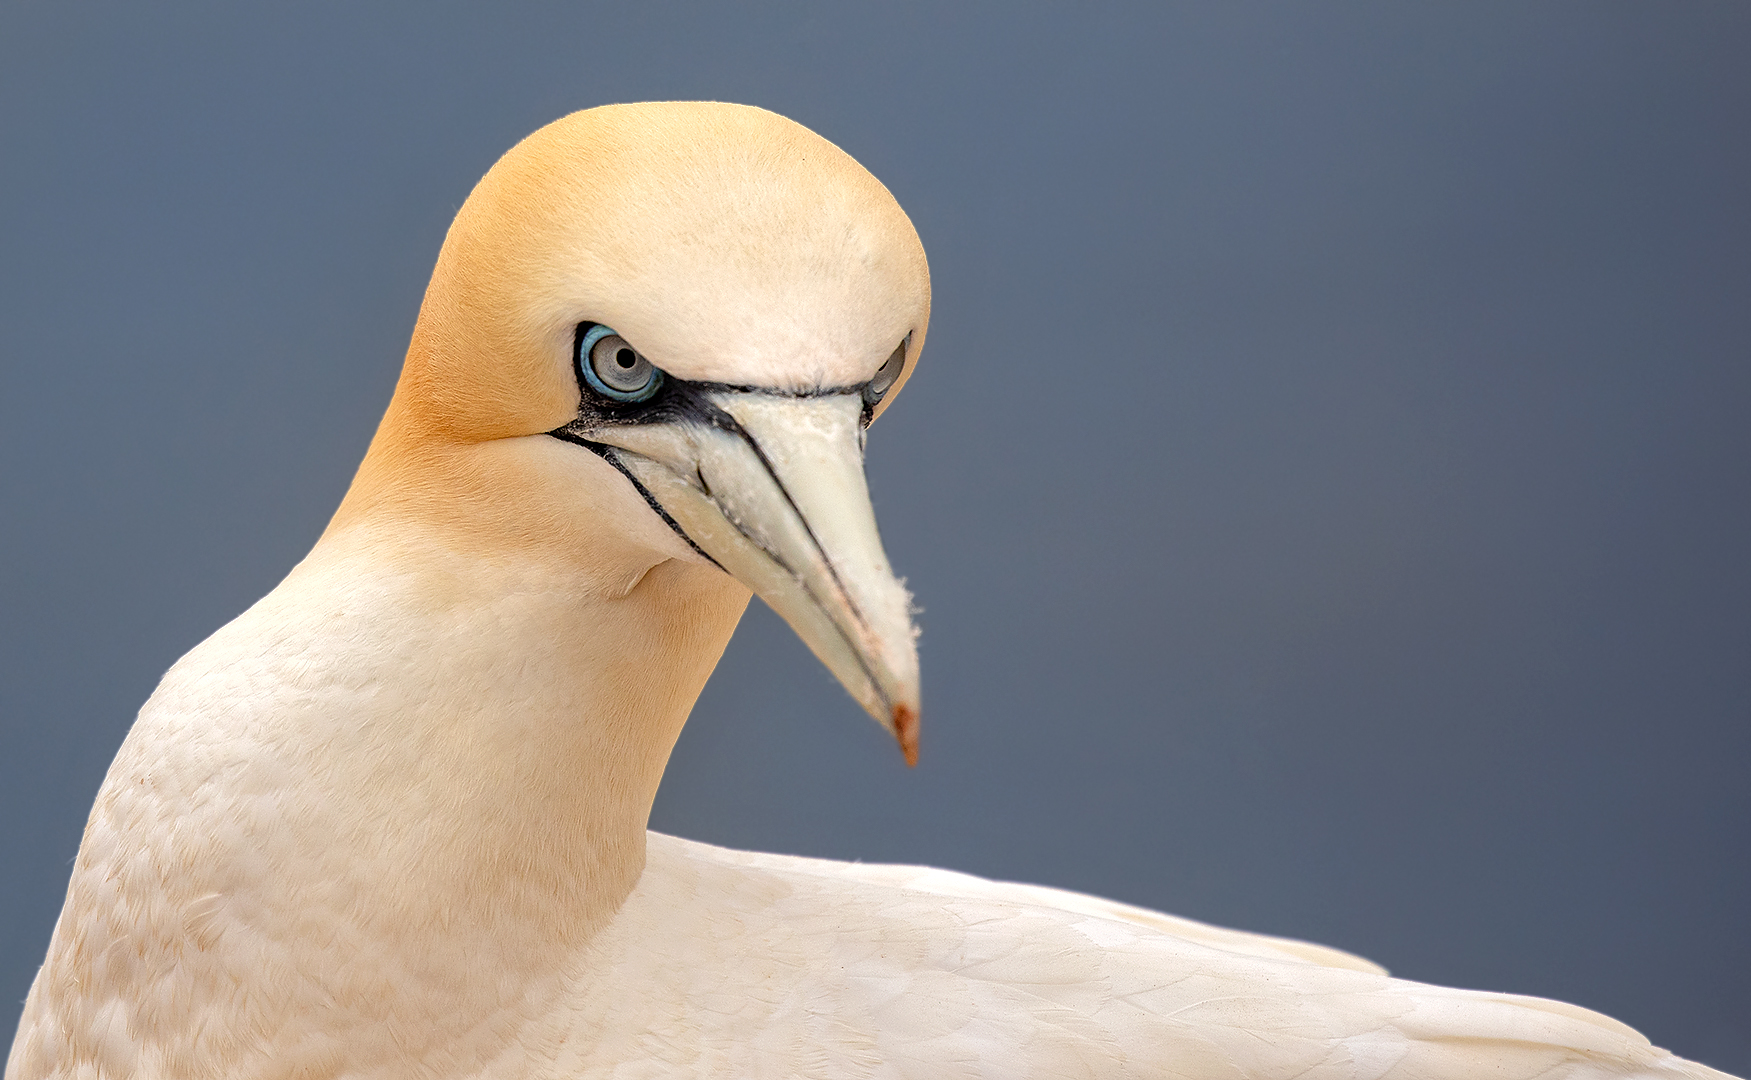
[[726, 963], [966, 886]]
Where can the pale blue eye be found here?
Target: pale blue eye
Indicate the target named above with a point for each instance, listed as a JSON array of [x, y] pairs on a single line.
[[615, 369], [886, 375]]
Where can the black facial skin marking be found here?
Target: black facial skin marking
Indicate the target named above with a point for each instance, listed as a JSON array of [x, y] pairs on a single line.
[[612, 457], [679, 398], [681, 401], [675, 402]]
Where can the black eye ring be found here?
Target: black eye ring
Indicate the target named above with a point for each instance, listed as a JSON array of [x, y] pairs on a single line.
[[614, 369]]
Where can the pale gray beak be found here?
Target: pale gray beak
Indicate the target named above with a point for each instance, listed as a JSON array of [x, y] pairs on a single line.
[[771, 487]]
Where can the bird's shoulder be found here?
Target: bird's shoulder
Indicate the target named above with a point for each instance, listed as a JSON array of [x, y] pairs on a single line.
[[722, 962]]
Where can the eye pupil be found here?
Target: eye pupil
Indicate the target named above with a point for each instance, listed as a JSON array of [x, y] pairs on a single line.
[[626, 358]]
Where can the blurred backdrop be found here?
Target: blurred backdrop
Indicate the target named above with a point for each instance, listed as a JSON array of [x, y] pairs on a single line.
[[1328, 483]]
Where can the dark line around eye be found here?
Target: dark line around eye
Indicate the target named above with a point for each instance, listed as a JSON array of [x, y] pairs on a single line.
[[590, 395], [770, 391], [685, 400]]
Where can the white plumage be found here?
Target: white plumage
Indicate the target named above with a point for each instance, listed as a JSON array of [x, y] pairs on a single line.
[[909, 971], [391, 820]]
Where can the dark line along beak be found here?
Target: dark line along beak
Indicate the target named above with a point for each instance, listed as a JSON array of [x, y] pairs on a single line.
[[771, 488]]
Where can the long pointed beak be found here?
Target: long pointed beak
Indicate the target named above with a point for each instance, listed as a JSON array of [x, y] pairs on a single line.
[[771, 487]]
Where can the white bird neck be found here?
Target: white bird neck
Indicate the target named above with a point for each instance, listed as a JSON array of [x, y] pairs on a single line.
[[517, 718], [533, 655], [403, 789]]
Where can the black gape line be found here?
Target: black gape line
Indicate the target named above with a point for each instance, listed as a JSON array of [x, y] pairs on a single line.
[[671, 403], [608, 454], [681, 401]]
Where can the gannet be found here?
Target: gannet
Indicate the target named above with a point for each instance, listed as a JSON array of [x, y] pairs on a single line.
[[391, 821]]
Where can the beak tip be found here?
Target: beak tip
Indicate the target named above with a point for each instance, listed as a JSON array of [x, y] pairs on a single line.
[[906, 730]]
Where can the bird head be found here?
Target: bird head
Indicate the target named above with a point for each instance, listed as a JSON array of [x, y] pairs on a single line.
[[680, 319]]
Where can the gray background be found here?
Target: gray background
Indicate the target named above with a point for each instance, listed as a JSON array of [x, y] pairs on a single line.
[[1328, 482]]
